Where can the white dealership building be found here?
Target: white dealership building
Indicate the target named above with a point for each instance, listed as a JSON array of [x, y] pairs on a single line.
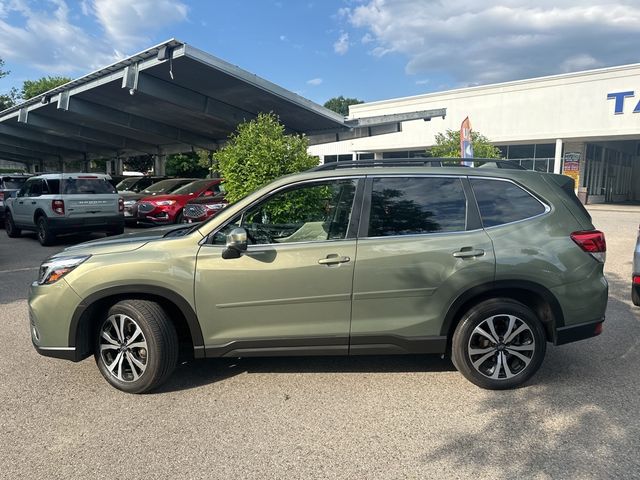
[[585, 124]]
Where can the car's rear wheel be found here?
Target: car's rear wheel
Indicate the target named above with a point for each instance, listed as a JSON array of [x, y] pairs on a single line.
[[635, 294], [45, 237], [499, 344], [136, 346], [10, 226]]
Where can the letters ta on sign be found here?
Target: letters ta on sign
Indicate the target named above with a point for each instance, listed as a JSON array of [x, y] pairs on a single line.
[[619, 101]]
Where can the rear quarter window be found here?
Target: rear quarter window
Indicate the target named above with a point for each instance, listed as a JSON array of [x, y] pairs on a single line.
[[502, 202]]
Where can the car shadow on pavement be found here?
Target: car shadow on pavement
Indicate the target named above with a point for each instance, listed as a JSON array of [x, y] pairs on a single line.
[[560, 423], [198, 373]]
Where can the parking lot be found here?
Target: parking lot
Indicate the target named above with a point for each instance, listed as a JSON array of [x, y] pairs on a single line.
[[362, 417]]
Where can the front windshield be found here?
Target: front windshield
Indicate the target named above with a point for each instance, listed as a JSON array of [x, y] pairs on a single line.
[[164, 186], [192, 187]]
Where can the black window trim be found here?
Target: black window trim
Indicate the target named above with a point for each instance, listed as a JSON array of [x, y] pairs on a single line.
[[354, 220], [472, 220], [545, 204]]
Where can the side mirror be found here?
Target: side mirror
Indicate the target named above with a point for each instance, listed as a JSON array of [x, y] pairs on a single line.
[[208, 193], [236, 243]]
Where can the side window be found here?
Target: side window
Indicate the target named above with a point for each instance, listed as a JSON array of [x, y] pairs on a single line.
[[416, 205], [23, 192], [36, 188], [503, 202], [308, 213]]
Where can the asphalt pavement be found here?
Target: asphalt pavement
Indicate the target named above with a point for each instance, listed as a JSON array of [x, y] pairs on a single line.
[[343, 418]]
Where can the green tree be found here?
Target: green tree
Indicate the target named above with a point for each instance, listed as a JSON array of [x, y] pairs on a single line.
[[341, 105], [7, 100], [32, 88], [259, 152], [140, 163], [190, 164], [448, 145]]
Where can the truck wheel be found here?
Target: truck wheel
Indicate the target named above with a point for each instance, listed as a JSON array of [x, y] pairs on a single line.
[[10, 227], [499, 344], [45, 237], [136, 346]]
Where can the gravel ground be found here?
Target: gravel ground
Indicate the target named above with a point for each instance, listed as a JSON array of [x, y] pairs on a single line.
[[351, 418]]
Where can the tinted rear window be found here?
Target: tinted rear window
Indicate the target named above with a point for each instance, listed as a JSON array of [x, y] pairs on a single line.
[[416, 205], [503, 202], [13, 183], [84, 186]]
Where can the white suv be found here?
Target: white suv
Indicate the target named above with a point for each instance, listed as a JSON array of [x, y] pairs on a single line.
[[59, 203]]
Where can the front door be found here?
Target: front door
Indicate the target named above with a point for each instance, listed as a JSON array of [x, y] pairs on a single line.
[[24, 205], [419, 247], [290, 292]]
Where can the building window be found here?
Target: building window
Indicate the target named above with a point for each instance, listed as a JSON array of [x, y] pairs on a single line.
[[365, 156], [330, 158]]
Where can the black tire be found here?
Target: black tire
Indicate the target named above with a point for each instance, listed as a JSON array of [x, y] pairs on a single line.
[[138, 362], [635, 295], [45, 237], [10, 226], [482, 358], [178, 219]]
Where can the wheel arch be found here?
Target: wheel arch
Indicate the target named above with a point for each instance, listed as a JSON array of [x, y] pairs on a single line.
[[538, 298], [37, 214], [84, 319]]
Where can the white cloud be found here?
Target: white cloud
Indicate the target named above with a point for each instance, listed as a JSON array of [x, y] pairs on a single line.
[[283, 38], [44, 35], [314, 82], [422, 82], [47, 40], [490, 41], [341, 46], [124, 20]]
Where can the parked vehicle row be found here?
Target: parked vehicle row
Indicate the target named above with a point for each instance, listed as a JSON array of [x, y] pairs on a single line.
[[57, 204]]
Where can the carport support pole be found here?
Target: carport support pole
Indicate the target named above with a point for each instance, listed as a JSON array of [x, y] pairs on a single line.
[[159, 164], [557, 165]]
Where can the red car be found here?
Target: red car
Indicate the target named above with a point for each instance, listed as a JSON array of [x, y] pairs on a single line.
[[203, 208], [166, 209]]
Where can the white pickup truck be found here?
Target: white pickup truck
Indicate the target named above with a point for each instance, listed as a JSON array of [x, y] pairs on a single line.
[[58, 203]]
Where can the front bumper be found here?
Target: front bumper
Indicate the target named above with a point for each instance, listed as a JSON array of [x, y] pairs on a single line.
[[50, 311]]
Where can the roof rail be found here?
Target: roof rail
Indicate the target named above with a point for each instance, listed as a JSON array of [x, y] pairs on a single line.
[[420, 162]]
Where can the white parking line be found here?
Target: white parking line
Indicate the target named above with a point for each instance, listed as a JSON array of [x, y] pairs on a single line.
[[19, 270]]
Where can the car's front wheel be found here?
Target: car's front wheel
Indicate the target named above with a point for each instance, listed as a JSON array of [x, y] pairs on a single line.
[[499, 344], [10, 227], [136, 346]]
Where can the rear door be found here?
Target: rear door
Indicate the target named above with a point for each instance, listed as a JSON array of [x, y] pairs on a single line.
[[420, 245], [89, 197]]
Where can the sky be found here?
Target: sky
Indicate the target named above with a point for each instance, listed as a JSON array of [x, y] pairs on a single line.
[[367, 49]]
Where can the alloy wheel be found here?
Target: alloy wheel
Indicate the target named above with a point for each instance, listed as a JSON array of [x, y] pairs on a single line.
[[123, 348], [501, 347]]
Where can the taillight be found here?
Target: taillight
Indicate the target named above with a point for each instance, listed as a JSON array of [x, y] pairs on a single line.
[[592, 242], [57, 206], [636, 279], [120, 204]]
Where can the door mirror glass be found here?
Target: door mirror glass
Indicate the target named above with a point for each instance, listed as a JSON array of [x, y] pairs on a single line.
[[236, 243]]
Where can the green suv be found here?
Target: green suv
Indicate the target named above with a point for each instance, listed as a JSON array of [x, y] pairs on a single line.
[[485, 264]]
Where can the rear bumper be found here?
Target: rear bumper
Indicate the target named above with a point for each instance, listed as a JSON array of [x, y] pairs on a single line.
[[64, 353], [581, 331], [89, 224]]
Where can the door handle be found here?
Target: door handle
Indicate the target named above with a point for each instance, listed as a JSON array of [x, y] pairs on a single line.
[[21, 203], [468, 253], [33, 203], [333, 259]]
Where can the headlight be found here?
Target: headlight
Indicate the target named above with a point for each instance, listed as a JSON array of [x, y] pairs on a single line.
[[129, 203], [53, 270], [164, 203], [214, 206]]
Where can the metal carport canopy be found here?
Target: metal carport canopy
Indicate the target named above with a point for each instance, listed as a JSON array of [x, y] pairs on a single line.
[[169, 98]]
